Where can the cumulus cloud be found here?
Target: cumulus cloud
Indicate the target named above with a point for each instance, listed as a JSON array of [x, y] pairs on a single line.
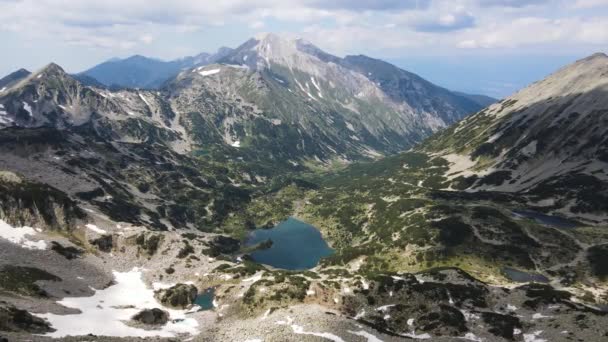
[[590, 3], [337, 25], [512, 3], [541, 32], [374, 5], [447, 22]]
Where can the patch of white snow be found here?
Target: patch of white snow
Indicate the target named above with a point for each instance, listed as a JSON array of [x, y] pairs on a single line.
[[209, 72], [368, 336], [96, 229], [28, 108], [106, 312], [534, 337], [19, 236]]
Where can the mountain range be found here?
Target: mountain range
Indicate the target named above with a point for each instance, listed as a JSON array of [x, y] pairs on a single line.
[[146, 73], [265, 84], [137, 204]]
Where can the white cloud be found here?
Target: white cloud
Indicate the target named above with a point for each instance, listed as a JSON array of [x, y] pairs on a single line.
[[146, 39], [532, 31], [340, 26], [589, 3], [468, 44], [258, 24]]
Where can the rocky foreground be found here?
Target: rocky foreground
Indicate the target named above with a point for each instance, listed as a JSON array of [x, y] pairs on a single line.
[[128, 283]]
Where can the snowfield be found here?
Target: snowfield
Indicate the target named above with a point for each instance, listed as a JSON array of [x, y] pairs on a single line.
[[96, 229], [106, 312], [209, 72], [28, 108], [20, 236]]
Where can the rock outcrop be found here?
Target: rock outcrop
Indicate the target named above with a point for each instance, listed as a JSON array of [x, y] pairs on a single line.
[[179, 296]]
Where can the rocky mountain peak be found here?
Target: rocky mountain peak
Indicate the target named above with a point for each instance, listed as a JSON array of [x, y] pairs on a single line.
[[263, 50], [274, 47], [581, 77], [599, 55], [12, 79], [52, 68], [269, 37], [50, 71]]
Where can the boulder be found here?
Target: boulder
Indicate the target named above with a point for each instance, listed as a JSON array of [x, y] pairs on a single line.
[[103, 243], [444, 320], [17, 320], [152, 317], [179, 296], [69, 252]]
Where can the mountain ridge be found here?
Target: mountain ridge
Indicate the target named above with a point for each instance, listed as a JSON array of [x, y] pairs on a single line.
[[138, 71]]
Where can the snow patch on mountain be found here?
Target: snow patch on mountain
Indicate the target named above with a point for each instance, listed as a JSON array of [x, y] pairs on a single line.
[[365, 334], [143, 98], [106, 312], [314, 82], [95, 229], [21, 236], [209, 72], [27, 108]]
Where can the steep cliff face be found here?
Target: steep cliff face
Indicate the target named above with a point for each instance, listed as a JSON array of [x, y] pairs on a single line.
[[26, 203]]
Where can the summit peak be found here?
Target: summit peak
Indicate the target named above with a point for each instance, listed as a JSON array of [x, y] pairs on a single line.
[[52, 67]]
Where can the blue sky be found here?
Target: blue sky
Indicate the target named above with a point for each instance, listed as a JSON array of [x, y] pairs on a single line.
[[485, 46]]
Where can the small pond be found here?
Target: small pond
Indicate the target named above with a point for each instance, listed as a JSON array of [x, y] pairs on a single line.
[[295, 246], [524, 277], [548, 220], [205, 299]]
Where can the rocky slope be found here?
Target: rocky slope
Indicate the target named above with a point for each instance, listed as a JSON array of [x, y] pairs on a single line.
[[12, 78], [482, 100], [549, 141], [119, 152]]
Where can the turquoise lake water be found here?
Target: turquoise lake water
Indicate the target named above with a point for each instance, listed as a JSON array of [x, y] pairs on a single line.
[[296, 246], [205, 299]]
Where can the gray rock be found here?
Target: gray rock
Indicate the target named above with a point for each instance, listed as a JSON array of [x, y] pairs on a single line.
[[17, 320], [152, 317], [104, 243], [179, 296]]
